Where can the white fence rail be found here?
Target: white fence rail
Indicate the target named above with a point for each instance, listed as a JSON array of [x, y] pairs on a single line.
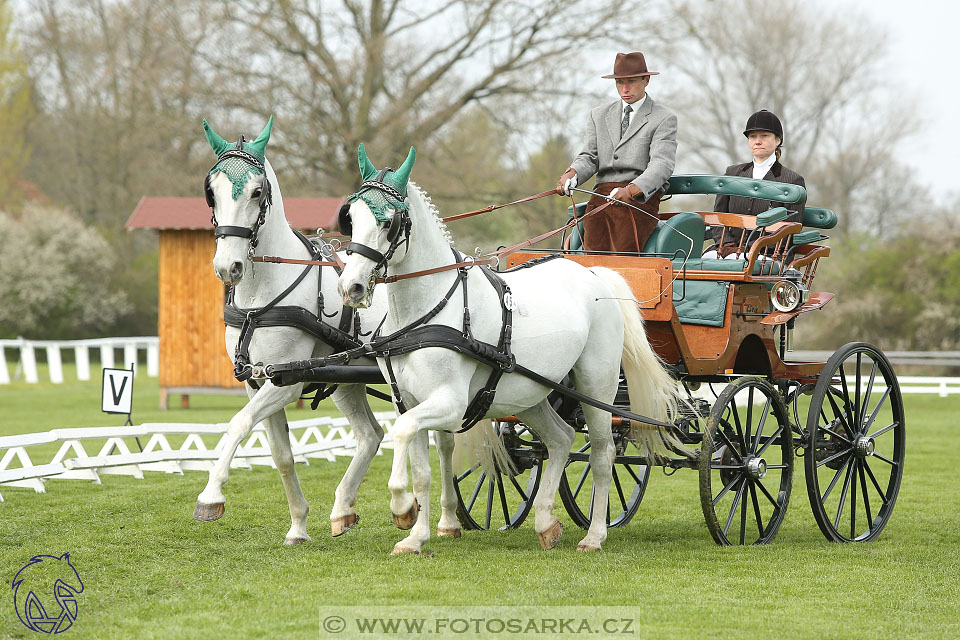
[[323, 438], [25, 363]]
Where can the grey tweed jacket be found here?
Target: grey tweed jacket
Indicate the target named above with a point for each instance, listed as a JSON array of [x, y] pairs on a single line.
[[644, 156]]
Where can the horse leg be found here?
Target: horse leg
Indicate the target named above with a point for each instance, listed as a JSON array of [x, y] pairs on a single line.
[[417, 517], [352, 402], [263, 402], [278, 436], [439, 411], [557, 435], [449, 525], [602, 452]]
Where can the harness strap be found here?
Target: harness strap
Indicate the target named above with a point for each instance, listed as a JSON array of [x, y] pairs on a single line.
[[483, 400], [366, 252], [242, 370], [226, 230], [445, 337]]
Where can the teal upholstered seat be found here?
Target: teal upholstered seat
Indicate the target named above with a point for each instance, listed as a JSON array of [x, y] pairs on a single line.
[[704, 301], [737, 186], [673, 236], [760, 267]]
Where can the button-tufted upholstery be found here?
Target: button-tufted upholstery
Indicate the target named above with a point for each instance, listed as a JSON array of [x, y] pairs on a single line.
[[737, 186], [819, 218]]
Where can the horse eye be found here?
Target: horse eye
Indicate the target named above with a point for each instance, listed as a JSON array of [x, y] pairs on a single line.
[[256, 193]]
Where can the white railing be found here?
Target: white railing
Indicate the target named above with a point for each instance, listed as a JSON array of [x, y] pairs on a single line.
[[26, 362], [323, 438], [943, 387]]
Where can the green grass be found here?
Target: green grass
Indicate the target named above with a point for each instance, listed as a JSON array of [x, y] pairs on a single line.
[[151, 571]]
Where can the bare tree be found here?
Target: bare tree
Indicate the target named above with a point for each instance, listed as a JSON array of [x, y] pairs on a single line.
[[824, 75], [120, 86], [395, 72]]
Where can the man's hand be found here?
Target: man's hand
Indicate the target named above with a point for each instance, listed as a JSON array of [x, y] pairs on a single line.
[[626, 194], [567, 182]]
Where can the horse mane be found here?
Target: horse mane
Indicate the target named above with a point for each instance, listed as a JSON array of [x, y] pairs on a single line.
[[416, 193]]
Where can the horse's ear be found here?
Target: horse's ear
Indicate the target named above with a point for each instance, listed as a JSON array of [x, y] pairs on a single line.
[[367, 170], [402, 175], [260, 144], [217, 143]]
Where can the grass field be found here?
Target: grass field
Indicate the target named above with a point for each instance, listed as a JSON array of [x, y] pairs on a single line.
[[150, 571]]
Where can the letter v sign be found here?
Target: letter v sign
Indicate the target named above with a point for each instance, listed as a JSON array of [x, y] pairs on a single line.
[[117, 396]]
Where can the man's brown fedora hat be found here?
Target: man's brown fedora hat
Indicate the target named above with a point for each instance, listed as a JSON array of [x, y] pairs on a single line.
[[630, 65]]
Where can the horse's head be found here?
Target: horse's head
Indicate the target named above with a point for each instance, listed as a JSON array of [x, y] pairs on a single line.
[[377, 220], [239, 192]]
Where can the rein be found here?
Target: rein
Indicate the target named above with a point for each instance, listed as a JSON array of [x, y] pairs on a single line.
[[486, 259]]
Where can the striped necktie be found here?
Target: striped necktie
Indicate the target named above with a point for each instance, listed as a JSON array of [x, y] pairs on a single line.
[[625, 123]]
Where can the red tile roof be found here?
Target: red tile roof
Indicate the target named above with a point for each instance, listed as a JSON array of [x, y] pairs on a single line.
[[193, 213]]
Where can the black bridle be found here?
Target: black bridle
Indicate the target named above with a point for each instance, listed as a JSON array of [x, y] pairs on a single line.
[[264, 201], [398, 230]]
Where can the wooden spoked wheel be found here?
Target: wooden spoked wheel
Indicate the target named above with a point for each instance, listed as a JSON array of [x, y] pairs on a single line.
[[629, 481], [502, 499], [855, 444], [746, 463]]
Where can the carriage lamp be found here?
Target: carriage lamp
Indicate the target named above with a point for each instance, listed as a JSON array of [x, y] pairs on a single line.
[[786, 296]]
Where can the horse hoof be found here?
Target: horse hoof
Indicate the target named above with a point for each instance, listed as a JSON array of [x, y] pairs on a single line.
[[407, 520], [343, 524], [588, 547], [453, 533], [550, 537], [297, 540], [399, 551], [207, 512]]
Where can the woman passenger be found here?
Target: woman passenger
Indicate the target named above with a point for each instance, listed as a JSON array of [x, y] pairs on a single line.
[[764, 135]]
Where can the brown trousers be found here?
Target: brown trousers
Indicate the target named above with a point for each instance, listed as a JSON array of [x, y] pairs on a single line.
[[619, 228]]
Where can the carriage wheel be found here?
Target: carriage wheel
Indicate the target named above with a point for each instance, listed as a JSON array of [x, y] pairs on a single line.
[[855, 444], [629, 481], [484, 500], [746, 463]]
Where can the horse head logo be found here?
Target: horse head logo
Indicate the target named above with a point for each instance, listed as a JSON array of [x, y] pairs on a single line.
[[45, 593]]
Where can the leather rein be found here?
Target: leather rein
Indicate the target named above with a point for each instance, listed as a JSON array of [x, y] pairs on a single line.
[[492, 258]]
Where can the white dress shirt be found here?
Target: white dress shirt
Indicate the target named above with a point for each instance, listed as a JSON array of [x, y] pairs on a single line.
[[760, 169]]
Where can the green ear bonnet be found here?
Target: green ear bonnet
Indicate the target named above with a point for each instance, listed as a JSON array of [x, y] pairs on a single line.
[[239, 160], [383, 189]]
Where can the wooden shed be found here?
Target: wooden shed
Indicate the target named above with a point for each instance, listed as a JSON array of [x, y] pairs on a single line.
[[193, 358]]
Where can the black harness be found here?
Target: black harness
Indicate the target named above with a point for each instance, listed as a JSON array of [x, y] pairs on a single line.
[[272, 315], [345, 336], [420, 335]]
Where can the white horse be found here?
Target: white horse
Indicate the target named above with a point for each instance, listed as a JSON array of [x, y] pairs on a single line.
[[248, 210], [566, 318]]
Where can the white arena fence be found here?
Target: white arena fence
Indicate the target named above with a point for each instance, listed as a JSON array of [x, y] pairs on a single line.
[[25, 363], [316, 438]]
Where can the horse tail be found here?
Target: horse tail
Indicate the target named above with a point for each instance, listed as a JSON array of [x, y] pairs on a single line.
[[482, 444], [652, 390]]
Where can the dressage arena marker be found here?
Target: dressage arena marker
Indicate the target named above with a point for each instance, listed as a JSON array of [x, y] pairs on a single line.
[[320, 438]]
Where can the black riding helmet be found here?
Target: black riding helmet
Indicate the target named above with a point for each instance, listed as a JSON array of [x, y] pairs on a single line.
[[764, 120]]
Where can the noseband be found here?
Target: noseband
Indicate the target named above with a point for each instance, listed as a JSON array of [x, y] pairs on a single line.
[[264, 202]]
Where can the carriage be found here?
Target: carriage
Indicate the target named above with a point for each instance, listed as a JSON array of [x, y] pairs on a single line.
[[708, 323], [723, 326]]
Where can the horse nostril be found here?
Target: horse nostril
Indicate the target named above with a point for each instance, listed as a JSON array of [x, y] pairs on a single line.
[[236, 270], [355, 292]]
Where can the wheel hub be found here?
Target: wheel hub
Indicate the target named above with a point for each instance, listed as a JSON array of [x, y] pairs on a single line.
[[865, 446], [756, 468]]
